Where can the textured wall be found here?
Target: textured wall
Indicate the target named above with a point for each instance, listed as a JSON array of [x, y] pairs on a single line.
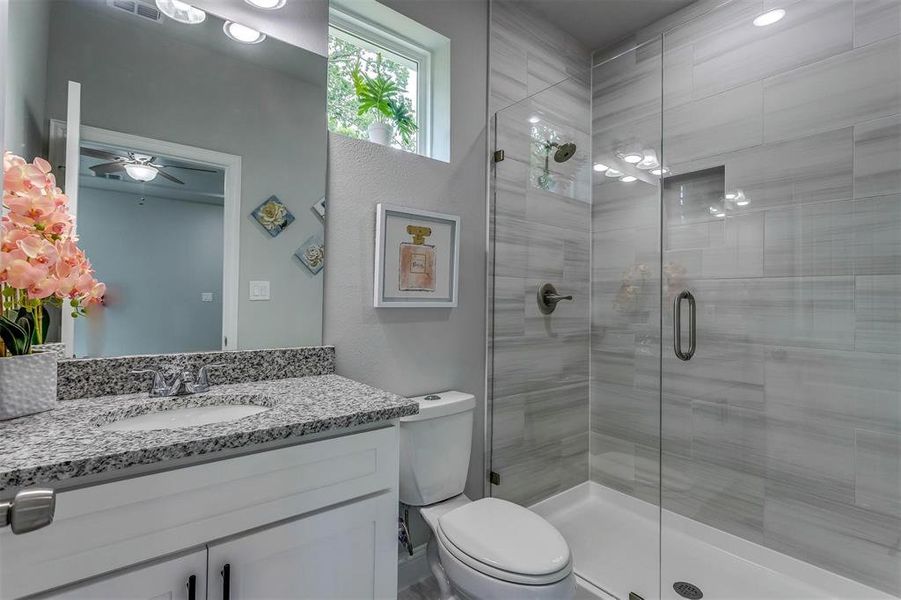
[[539, 363], [414, 351], [785, 428]]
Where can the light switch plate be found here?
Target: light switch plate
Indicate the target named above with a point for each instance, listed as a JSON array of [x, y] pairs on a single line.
[[259, 290], [206, 296]]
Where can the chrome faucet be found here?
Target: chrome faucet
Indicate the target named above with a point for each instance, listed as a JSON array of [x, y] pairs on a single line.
[[182, 384]]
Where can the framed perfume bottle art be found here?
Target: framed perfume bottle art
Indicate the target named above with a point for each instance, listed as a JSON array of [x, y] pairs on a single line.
[[416, 258]]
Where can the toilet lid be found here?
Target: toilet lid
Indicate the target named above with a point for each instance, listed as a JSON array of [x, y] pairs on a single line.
[[507, 537]]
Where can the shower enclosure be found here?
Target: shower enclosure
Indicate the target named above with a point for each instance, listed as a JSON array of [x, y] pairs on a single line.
[[718, 409]]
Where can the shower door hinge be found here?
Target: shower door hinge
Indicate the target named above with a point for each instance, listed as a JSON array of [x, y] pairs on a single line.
[[498, 156], [494, 478]]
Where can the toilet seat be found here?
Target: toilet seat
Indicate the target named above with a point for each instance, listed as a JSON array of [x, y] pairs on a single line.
[[505, 541]]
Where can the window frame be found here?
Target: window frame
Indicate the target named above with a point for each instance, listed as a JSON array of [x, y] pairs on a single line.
[[377, 37]]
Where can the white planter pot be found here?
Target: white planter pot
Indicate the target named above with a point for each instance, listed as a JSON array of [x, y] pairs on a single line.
[[27, 384], [380, 133]]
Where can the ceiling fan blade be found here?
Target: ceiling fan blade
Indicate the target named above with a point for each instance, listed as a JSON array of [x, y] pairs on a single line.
[[107, 168], [94, 153], [170, 177], [186, 168]]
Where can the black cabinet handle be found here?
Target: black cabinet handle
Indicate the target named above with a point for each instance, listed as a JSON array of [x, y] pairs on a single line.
[[226, 581], [192, 587]]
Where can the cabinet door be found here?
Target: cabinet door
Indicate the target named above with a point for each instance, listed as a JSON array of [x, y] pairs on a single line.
[[166, 580], [349, 552]]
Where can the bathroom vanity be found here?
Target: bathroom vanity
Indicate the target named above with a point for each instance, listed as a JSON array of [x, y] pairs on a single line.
[[298, 500]]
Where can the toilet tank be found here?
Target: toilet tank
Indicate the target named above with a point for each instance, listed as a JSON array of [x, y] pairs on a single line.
[[435, 447]]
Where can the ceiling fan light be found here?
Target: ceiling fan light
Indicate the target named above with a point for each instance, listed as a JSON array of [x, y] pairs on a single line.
[[242, 33], [181, 11], [141, 172], [266, 4]]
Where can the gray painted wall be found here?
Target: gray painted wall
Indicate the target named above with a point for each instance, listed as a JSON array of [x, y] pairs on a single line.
[[4, 51], [418, 350], [162, 88], [154, 281], [25, 66]]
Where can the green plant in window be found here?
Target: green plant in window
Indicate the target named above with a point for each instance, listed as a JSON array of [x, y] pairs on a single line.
[[380, 94], [343, 117], [404, 121]]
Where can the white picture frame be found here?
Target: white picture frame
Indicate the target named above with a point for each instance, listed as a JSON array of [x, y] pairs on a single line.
[[433, 279]]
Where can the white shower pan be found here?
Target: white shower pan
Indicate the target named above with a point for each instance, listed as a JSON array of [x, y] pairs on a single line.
[[615, 543]]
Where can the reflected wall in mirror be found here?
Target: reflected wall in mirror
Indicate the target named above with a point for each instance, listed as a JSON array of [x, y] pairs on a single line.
[[183, 131]]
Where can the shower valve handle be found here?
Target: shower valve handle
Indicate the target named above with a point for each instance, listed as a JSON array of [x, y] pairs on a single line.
[[548, 298], [555, 298]]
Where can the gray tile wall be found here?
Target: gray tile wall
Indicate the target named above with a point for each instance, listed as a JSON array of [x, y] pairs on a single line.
[[539, 364], [785, 428], [529, 55]]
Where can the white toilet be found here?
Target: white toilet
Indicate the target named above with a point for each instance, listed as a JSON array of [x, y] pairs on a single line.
[[483, 549]]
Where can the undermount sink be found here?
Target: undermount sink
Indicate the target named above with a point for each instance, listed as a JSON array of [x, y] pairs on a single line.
[[191, 412]]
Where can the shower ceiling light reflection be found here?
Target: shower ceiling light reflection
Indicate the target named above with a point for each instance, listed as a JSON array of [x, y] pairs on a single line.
[[769, 17]]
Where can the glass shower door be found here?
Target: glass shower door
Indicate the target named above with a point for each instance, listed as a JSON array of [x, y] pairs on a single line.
[[619, 548], [781, 432], [540, 233]]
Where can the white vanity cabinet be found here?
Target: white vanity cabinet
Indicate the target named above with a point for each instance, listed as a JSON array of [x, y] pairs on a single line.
[[313, 520], [177, 578], [334, 554]]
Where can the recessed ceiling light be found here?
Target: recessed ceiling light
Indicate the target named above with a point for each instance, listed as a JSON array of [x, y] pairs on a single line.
[[743, 202], [720, 215], [534, 119], [181, 11], [266, 4], [628, 179], [613, 173], [660, 171], [648, 161], [769, 17], [633, 157], [600, 168], [242, 33], [141, 172], [731, 196]]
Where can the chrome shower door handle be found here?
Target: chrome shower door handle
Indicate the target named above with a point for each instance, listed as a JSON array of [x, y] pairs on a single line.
[[677, 325]]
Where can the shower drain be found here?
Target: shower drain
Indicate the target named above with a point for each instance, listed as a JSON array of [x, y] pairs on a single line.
[[688, 590]]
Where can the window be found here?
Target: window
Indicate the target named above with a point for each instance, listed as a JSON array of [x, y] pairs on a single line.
[[378, 39]]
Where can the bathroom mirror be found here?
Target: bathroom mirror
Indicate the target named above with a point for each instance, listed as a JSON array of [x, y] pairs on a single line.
[[196, 171]]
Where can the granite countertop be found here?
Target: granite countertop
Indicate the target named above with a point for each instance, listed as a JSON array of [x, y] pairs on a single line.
[[68, 442]]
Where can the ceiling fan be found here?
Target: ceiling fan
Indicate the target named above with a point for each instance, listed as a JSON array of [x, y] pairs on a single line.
[[140, 167]]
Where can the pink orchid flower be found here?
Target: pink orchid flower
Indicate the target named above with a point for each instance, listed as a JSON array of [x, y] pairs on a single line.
[[21, 274], [39, 254], [43, 288]]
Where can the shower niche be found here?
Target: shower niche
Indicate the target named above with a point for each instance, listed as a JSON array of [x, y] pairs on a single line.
[[695, 197]]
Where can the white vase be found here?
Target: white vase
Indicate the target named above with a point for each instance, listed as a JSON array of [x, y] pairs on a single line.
[[27, 384], [380, 133]]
